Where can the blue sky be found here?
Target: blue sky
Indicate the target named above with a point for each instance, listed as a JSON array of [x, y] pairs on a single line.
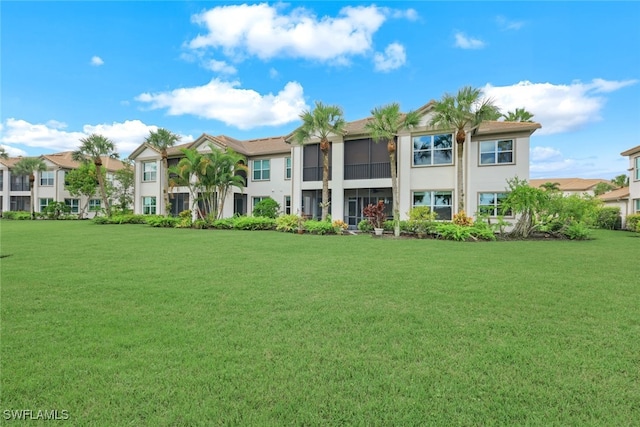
[[247, 70]]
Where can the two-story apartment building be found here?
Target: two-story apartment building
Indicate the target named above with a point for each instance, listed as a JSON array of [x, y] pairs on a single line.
[[49, 185], [359, 170], [634, 178], [269, 175]]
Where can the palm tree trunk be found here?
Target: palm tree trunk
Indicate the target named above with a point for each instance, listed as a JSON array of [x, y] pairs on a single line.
[[165, 183], [391, 147], [103, 191], [460, 178], [32, 179], [324, 147]]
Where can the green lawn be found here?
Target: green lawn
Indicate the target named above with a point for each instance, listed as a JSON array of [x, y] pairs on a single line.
[[130, 325]]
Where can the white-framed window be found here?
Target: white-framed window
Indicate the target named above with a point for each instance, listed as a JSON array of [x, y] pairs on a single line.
[[287, 205], [439, 202], [257, 200], [149, 205], [287, 168], [498, 152], [491, 204], [46, 178], [637, 175], [261, 170], [636, 206], [149, 171], [44, 202], [95, 205], [430, 150], [74, 204]]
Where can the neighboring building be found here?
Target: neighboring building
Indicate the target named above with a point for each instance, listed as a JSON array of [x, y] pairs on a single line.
[[618, 198], [48, 186], [359, 170], [569, 186], [634, 179]]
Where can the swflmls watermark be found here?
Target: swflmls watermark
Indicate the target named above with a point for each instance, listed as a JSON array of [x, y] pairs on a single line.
[[30, 414]]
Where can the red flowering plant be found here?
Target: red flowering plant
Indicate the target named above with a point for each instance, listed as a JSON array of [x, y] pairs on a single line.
[[375, 214]]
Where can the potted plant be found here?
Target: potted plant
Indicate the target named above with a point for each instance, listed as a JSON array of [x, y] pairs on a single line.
[[375, 215]]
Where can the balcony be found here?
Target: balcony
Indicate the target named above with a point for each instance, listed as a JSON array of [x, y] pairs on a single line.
[[367, 171]]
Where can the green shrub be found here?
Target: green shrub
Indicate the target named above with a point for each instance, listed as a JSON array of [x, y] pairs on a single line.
[[319, 227], [55, 209], [633, 221], [185, 219], [365, 226], [460, 233], [422, 213], [267, 208], [577, 231], [18, 215], [128, 219], [100, 220], [608, 218], [254, 223], [162, 221], [388, 225], [289, 223], [224, 223], [200, 224]]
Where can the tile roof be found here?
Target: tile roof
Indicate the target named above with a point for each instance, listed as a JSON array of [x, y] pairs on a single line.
[[620, 193], [10, 162], [489, 127], [569, 184], [65, 161]]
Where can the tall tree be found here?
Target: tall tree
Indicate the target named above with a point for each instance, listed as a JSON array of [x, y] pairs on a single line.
[[161, 140], [3, 153], [92, 149], [187, 172], [82, 182], [621, 181], [123, 191], [462, 111], [519, 115], [320, 123], [384, 126], [30, 166], [223, 168]]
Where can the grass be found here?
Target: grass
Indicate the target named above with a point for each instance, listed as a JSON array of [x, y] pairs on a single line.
[[129, 325]]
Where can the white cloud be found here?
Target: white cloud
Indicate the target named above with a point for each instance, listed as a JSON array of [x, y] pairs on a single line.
[[221, 67], [13, 151], [410, 14], [545, 154], [394, 56], [558, 107], [225, 101], [464, 42], [52, 136], [262, 30], [96, 61], [506, 24]]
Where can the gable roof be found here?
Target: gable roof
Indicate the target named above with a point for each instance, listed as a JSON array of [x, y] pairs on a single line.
[[619, 194], [569, 184], [631, 151], [494, 126], [10, 162]]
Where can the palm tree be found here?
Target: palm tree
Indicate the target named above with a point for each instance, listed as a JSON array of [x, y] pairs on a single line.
[[29, 166], [466, 109], [92, 149], [551, 187], [320, 123], [161, 140], [223, 166], [621, 181], [385, 125], [3, 153], [186, 173], [520, 115]]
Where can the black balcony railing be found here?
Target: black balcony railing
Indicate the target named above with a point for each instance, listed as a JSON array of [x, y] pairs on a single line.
[[367, 171], [313, 173]]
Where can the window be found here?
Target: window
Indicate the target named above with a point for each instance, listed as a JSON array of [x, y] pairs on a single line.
[[438, 201], [44, 202], [287, 205], [149, 205], [257, 200], [491, 204], [46, 178], [95, 205], [1, 181], [496, 152], [637, 206], [261, 170], [638, 168], [20, 182], [74, 204], [431, 150], [149, 171], [287, 168]]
